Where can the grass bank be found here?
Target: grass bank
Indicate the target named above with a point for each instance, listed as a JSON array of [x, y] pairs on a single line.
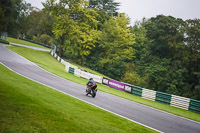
[[47, 62], [18, 41], [27, 106], [3, 41]]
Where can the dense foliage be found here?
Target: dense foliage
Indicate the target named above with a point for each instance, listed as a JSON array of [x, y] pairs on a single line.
[[161, 53], [167, 55]]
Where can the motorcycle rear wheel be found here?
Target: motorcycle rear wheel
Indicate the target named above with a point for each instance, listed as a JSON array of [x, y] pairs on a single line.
[[93, 93]]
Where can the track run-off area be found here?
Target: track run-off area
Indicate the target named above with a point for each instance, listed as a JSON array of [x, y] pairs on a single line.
[[138, 113]]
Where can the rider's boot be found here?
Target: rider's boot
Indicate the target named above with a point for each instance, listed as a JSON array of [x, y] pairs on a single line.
[[86, 92], [89, 90]]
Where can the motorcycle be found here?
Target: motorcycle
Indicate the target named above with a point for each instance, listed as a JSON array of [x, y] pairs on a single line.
[[91, 91]]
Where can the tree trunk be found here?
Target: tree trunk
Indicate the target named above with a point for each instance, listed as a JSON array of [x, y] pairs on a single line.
[[60, 46]]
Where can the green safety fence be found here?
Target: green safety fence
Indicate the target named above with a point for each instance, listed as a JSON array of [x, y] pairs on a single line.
[[59, 58], [55, 55], [194, 106], [163, 97], [137, 91], [71, 70]]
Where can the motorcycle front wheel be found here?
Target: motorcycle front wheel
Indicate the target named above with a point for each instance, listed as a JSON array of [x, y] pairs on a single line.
[[93, 93]]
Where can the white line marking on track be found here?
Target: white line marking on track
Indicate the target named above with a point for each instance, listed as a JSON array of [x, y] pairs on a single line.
[[84, 100], [120, 97]]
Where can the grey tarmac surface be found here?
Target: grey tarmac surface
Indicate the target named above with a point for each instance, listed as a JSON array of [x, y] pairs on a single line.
[[148, 116], [32, 47]]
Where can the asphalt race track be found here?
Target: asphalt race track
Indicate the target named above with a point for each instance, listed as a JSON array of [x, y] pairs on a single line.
[[36, 48], [147, 116]]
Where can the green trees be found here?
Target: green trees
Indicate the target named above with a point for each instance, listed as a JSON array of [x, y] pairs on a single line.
[[164, 57], [167, 35], [38, 25], [192, 41], [116, 40], [105, 9], [75, 25], [33, 24], [161, 53], [108, 6], [167, 46], [12, 13], [115, 44]]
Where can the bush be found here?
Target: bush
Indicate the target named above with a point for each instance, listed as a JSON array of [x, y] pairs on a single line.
[[46, 39], [131, 78]]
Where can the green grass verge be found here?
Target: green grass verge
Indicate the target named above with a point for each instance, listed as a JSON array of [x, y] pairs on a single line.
[[18, 41], [46, 61], [27, 106], [3, 41]]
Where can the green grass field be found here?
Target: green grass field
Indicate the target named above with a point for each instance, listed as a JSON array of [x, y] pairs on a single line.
[[18, 41], [47, 62], [27, 106]]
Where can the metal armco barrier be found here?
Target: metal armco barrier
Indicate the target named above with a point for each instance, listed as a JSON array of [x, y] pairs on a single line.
[[66, 68], [77, 72], [105, 81], [71, 70], [65, 63], [128, 88], [180, 102], [137, 91], [55, 55], [149, 94], [194, 106], [88, 75], [58, 58], [172, 100], [52, 53], [163, 98], [114, 84]]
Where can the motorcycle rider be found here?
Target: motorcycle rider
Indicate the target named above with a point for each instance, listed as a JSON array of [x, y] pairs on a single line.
[[91, 85]]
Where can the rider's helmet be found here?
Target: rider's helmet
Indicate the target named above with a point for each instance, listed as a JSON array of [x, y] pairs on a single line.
[[91, 78]]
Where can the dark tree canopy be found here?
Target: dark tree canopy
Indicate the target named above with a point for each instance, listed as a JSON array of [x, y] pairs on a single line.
[[107, 5], [12, 13]]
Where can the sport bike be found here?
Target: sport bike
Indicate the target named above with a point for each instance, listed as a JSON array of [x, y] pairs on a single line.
[[91, 91]]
